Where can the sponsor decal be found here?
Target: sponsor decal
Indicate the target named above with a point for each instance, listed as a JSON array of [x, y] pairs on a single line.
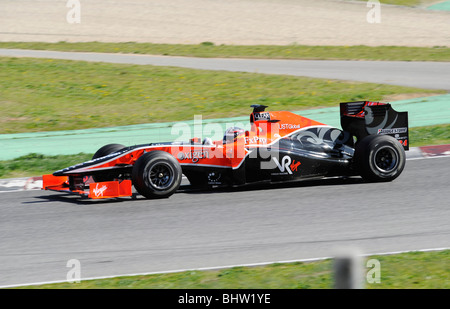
[[294, 165], [98, 192], [262, 116], [403, 142], [392, 131], [289, 126], [287, 166], [255, 140], [214, 178], [193, 155]]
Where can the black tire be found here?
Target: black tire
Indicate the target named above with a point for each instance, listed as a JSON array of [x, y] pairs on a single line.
[[156, 174], [379, 158], [107, 149], [104, 151]]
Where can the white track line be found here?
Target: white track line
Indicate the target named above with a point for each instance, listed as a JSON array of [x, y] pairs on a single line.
[[220, 267]]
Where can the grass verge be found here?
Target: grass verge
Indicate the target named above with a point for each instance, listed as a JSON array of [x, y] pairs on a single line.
[[49, 95], [209, 50], [38, 164], [35, 164], [430, 135], [413, 270]]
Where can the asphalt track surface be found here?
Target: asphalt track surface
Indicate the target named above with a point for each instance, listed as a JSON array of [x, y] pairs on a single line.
[[41, 231], [430, 75]]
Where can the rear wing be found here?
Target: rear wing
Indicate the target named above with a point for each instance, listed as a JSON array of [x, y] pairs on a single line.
[[364, 118]]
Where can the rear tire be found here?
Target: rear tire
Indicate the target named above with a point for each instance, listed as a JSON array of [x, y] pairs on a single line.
[[379, 158], [104, 151], [156, 174]]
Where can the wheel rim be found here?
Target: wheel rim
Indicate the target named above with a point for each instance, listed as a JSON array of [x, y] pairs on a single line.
[[386, 159], [161, 176]]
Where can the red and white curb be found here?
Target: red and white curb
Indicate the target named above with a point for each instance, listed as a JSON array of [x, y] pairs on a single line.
[[429, 151], [35, 183], [20, 184]]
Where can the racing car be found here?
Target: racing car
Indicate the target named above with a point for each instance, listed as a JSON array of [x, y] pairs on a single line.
[[279, 146]]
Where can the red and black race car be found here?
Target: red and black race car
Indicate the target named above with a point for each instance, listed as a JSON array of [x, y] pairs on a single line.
[[279, 146]]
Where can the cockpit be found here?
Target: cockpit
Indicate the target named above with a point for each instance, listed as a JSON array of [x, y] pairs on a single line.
[[232, 134]]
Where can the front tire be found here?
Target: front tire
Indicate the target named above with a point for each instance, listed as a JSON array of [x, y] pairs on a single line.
[[156, 174], [379, 158], [104, 151]]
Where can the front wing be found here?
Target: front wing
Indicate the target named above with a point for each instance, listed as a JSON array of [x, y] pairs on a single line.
[[89, 189]]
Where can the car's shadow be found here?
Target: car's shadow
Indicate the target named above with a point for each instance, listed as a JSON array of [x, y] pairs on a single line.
[[337, 181], [78, 200], [188, 189]]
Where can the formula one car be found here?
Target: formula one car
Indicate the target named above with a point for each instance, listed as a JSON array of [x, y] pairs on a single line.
[[279, 146]]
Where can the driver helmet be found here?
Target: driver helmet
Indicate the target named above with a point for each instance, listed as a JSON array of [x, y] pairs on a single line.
[[232, 134]]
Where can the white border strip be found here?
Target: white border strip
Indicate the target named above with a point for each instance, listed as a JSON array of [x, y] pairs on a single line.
[[220, 267]]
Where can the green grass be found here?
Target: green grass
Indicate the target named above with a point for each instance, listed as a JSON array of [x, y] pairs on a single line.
[[209, 49], [430, 135], [38, 164], [48, 95], [414, 270]]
